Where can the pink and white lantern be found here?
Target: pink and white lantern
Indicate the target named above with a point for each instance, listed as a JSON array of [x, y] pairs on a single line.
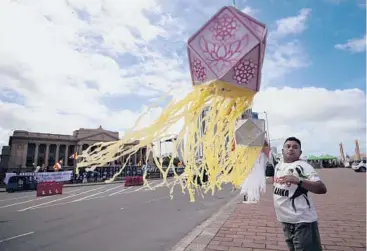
[[230, 47]]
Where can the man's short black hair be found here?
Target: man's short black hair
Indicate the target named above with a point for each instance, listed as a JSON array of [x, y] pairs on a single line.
[[293, 139]]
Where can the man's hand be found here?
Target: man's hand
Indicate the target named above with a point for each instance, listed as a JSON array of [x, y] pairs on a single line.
[[289, 179], [317, 187]]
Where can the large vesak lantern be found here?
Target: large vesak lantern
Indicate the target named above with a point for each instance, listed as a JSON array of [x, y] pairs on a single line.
[[230, 47], [226, 57]]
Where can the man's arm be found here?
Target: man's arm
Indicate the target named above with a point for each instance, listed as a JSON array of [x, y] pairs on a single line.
[[317, 187], [309, 179]]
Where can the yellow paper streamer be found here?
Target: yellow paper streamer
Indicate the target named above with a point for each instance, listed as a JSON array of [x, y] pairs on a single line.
[[219, 162]]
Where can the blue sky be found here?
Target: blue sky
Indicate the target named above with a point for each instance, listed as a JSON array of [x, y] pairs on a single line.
[[66, 65], [329, 24]]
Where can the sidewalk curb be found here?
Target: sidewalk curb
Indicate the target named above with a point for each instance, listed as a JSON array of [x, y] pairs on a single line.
[[200, 236]]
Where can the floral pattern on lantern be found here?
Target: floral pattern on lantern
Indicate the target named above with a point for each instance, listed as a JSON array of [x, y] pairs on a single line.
[[224, 28], [221, 56], [199, 70], [244, 72]]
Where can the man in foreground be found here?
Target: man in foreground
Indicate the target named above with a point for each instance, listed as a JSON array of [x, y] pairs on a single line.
[[293, 179]]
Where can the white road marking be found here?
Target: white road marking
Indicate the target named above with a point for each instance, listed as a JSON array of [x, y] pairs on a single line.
[[155, 183], [23, 202], [73, 191], [27, 196], [63, 198], [140, 188], [119, 186], [160, 184], [17, 198], [15, 237], [118, 192], [87, 197], [65, 203], [125, 191], [92, 195], [97, 197], [122, 208]]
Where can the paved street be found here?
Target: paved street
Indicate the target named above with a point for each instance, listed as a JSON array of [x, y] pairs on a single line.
[[104, 217], [253, 227]]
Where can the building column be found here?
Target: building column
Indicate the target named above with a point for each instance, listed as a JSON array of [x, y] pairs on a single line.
[[36, 155], [142, 159], [25, 151], [46, 155], [57, 152], [66, 155], [79, 149]]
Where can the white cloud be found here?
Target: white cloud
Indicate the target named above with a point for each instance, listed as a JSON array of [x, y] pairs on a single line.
[[321, 118], [284, 55], [282, 58], [57, 67], [48, 55], [354, 45], [250, 11], [292, 25]]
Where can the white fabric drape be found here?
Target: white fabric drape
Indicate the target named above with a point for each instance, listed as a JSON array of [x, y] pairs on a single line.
[[255, 183]]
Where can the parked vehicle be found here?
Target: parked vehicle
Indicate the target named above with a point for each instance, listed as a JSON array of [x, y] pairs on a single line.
[[269, 170], [359, 166], [21, 183]]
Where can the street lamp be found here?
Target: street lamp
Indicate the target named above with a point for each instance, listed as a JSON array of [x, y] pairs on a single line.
[[267, 125]]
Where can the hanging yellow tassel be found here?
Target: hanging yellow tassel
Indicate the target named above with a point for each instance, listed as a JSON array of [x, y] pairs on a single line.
[[218, 158]]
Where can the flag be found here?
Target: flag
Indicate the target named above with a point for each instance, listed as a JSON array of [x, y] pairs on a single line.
[[57, 165], [74, 156], [358, 153], [342, 151]]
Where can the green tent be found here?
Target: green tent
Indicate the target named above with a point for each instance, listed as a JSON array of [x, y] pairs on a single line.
[[312, 157], [322, 157], [327, 157]]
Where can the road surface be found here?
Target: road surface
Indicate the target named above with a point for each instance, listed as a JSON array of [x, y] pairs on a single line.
[[104, 217]]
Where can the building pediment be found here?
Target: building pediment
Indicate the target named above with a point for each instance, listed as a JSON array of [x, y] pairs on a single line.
[[99, 137]]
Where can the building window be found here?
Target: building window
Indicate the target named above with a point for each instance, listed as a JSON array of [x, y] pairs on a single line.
[[52, 155], [62, 149], [41, 155], [30, 161]]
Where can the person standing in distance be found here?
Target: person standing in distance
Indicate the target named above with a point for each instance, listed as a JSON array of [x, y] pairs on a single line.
[[293, 179]]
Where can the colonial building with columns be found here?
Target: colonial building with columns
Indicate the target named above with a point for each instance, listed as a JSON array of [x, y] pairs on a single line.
[[30, 149]]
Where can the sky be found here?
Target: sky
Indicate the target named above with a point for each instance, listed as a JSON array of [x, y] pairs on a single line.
[[69, 64]]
